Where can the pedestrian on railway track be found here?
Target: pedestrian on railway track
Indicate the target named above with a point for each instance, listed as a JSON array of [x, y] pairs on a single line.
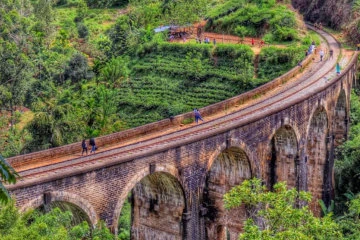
[[331, 52], [338, 69], [84, 147], [252, 41], [93, 145], [321, 54], [197, 116]]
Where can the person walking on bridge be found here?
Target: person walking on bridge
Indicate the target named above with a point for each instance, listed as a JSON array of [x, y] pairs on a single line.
[[338, 69], [197, 116], [321, 54], [93, 145], [84, 147]]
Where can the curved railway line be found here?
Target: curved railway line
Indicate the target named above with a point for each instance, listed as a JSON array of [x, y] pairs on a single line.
[[309, 83]]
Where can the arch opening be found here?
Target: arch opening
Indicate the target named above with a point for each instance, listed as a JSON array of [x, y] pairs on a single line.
[[317, 148], [154, 209], [283, 158], [340, 120], [79, 215], [66, 201], [230, 168]]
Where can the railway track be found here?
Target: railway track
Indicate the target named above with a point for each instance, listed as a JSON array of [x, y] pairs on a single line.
[[278, 99]]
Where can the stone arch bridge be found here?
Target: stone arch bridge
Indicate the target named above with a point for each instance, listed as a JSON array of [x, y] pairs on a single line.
[[285, 130]]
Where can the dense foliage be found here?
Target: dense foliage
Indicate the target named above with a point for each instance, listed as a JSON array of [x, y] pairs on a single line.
[[264, 18], [347, 171], [7, 175], [276, 61], [344, 15], [277, 213], [125, 221], [54, 225]]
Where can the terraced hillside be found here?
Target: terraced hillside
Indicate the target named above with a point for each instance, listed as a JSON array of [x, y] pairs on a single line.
[[169, 79]]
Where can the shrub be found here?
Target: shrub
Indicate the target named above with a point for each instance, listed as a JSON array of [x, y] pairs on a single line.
[[253, 18], [83, 31], [187, 121], [77, 68], [275, 61]]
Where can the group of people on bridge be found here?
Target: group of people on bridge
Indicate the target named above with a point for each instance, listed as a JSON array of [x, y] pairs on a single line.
[[85, 147]]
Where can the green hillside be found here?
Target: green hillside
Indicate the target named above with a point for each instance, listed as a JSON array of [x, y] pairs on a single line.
[[168, 79]]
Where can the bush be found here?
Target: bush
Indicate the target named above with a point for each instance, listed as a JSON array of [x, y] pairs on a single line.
[[187, 121], [77, 68], [83, 31], [275, 61], [253, 18], [234, 51]]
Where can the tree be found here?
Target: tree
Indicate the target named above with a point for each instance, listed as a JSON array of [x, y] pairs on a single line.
[[118, 35], [56, 122], [277, 215], [56, 225], [115, 71], [15, 67], [7, 175], [77, 68], [14, 76]]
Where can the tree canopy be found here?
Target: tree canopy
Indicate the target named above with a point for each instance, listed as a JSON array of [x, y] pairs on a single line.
[[278, 213]]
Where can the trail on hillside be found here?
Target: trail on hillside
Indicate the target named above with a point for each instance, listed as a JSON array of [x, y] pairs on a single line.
[[232, 39]]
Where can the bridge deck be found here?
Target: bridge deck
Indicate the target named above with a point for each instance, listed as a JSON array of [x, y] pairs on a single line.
[[315, 77]]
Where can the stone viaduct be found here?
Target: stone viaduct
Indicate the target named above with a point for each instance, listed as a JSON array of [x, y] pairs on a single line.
[[175, 179]]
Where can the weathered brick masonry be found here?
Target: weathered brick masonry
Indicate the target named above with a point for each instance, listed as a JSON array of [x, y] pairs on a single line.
[[177, 188]]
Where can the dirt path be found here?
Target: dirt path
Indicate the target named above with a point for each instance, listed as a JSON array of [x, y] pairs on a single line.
[[224, 38]]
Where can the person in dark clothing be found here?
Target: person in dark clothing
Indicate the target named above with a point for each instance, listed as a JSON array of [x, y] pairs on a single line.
[[84, 147], [93, 145], [197, 116]]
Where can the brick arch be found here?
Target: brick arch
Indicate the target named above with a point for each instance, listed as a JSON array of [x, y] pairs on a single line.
[[230, 167], [62, 196], [317, 148], [282, 161], [322, 106], [286, 122], [236, 143], [141, 174]]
